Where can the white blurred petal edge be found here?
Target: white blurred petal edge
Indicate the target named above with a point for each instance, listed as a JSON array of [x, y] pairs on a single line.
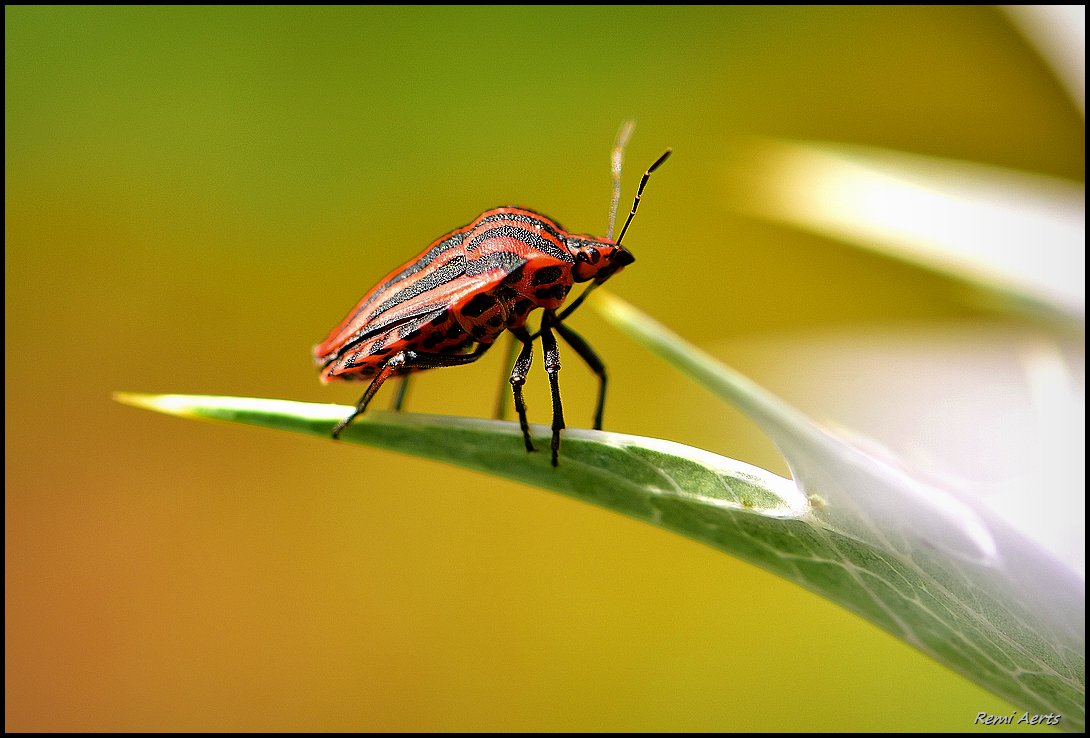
[[1058, 32], [1014, 234], [992, 411]]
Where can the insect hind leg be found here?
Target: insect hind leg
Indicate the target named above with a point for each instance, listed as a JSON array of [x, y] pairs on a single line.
[[394, 364], [401, 363]]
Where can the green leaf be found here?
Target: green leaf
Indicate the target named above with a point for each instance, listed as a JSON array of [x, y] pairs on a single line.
[[934, 568], [658, 481]]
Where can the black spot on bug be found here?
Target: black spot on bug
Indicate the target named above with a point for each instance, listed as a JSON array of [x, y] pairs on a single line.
[[495, 321], [455, 331], [440, 318], [433, 340], [505, 293], [548, 275], [556, 292], [523, 306], [476, 307], [479, 331], [595, 257], [514, 277]]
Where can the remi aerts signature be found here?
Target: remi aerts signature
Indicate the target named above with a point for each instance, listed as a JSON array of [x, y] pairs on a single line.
[[1026, 718]]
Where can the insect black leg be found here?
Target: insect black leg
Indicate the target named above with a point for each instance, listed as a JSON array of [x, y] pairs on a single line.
[[402, 391], [501, 401], [578, 301], [389, 369], [403, 362], [518, 378], [552, 366], [586, 353]]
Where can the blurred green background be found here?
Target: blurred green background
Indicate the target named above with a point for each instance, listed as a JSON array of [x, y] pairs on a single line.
[[194, 198]]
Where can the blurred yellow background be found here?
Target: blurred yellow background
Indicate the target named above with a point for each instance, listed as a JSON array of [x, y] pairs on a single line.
[[194, 198]]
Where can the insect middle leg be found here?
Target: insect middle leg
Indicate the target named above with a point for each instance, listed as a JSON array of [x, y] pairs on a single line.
[[501, 400], [402, 392], [403, 362]]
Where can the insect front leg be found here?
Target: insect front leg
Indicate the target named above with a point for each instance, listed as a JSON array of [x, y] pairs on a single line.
[[586, 353], [552, 366], [406, 361], [518, 378]]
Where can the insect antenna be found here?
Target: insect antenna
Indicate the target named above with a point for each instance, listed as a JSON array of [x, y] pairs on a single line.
[[615, 160], [639, 191], [622, 138]]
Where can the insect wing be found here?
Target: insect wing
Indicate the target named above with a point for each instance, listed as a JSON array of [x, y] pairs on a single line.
[[442, 262], [407, 305]]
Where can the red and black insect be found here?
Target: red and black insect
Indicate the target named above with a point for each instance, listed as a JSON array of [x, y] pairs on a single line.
[[448, 306]]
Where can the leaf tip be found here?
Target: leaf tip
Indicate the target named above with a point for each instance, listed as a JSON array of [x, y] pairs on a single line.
[[136, 399], [159, 403]]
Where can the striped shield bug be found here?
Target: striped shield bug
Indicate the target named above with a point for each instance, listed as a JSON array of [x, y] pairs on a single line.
[[448, 306]]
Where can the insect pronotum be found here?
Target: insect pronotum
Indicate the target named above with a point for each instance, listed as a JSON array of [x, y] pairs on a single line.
[[448, 306]]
